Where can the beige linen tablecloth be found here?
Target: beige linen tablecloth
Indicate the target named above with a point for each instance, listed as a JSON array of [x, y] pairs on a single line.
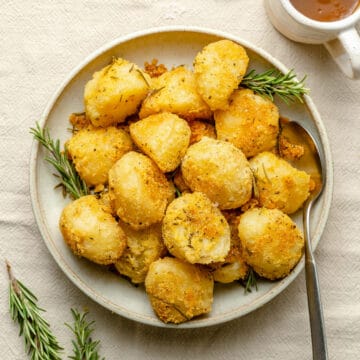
[[41, 41]]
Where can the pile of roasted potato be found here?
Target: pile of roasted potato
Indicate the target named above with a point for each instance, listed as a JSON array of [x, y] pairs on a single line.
[[187, 183]]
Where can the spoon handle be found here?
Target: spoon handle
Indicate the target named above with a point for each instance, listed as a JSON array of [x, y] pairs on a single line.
[[318, 338]]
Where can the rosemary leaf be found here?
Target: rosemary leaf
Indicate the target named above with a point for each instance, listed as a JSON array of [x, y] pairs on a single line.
[[69, 178], [250, 281], [40, 343], [143, 77], [84, 348], [177, 192], [272, 82]]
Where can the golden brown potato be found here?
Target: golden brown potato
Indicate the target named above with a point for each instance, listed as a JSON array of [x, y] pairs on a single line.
[[79, 120], [175, 92], [272, 243], [180, 183], [178, 291], [234, 266], [104, 198], [139, 191], [279, 185], [288, 150], [90, 231], [219, 69], [115, 92], [199, 129], [163, 137], [154, 69], [143, 247], [251, 122], [95, 150], [219, 170], [195, 230]]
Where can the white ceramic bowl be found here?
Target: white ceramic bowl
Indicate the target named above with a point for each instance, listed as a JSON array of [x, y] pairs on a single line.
[[172, 46]]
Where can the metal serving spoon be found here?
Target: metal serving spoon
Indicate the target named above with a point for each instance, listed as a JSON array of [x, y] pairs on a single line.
[[313, 162]]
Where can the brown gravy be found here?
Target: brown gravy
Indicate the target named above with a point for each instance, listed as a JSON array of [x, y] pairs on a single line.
[[326, 10]]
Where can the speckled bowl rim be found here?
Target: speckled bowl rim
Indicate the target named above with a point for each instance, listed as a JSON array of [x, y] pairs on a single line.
[[98, 297]]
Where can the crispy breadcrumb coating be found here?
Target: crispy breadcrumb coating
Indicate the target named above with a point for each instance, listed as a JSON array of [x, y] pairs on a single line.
[[139, 191], [115, 92], [195, 230], [220, 170], [219, 69], [234, 266], [163, 137], [79, 120], [95, 150], [91, 232], [251, 122], [154, 69], [180, 183], [288, 150], [278, 183], [272, 243], [179, 291], [175, 92], [199, 129], [143, 248]]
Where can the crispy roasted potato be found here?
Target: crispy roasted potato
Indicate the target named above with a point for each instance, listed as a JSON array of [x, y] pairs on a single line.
[[180, 183], [178, 291], [288, 150], [219, 170], [79, 120], [175, 92], [279, 184], [163, 137], [115, 92], [104, 198], [199, 129], [251, 122], [154, 69], [91, 231], [234, 266], [195, 230], [271, 241], [219, 69], [143, 247], [139, 191], [95, 150]]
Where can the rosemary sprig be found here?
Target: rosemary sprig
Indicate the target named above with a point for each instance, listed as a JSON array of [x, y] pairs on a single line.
[[40, 343], [69, 178], [250, 281], [272, 82], [84, 348]]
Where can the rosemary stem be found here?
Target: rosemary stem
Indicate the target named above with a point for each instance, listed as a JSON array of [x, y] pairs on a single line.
[[39, 341], [273, 82], [12, 279], [69, 178]]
